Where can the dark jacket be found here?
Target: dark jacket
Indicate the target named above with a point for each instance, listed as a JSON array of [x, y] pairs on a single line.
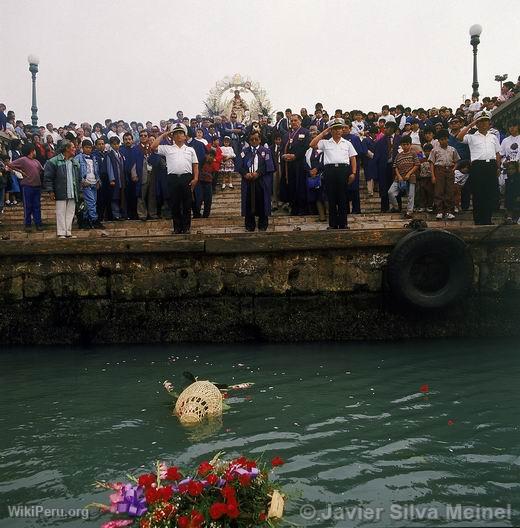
[[55, 177]]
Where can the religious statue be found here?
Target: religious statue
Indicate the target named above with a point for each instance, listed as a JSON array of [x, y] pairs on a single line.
[[237, 106]]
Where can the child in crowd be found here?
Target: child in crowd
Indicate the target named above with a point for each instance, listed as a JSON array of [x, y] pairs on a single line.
[[214, 147], [461, 177], [90, 183], [227, 166], [406, 164], [443, 159], [424, 190], [206, 186]]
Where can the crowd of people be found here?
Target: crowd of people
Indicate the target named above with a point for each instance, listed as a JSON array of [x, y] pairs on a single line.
[[441, 159]]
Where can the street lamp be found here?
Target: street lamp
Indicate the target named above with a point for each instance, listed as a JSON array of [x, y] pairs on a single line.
[[33, 61], [500, 79], [475, 30]]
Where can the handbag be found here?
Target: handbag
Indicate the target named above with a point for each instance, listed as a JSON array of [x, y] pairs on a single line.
[[314, 182]]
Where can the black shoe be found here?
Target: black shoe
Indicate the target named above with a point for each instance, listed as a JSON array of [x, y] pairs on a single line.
[[39, 227], [98, 225], [250, 229], [329, 227], [395, 210]]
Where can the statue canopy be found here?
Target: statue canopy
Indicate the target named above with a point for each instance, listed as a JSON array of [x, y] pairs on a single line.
[[237, 95]]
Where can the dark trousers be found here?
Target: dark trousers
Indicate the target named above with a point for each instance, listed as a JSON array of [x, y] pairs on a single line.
[[385, 181], [104, 199], [180, 197], [203, 196], [336, 180], [255, 206], [354, 199], [31, 205], [484, 186], [465, 195], [131, 199]]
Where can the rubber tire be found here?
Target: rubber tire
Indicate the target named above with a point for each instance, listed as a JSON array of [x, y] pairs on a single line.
[[437, 243]]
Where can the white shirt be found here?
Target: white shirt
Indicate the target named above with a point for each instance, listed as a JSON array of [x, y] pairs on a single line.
[[416, 138], [91, 177], [475, 107], [388, 118], [111, 134], [179, 160], [358, 127], [333, 152], [509, 148], [482, 147]]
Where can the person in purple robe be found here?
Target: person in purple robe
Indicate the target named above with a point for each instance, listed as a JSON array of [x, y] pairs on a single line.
[[296, 145], [116, 178], [256, 166]]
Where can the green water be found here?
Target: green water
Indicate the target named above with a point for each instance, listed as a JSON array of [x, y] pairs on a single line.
[[349, 419]]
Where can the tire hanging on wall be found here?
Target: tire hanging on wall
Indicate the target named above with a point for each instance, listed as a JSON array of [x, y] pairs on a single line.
[[430, 268]]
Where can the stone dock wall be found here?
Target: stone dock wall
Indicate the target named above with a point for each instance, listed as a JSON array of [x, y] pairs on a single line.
[[275, 287]]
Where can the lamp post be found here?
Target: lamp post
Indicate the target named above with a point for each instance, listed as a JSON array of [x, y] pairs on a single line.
[[474, 31], [33, 61]]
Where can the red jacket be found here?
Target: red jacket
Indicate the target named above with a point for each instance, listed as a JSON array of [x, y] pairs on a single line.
[[218, 157]]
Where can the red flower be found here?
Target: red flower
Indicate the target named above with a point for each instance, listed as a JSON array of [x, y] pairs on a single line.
[[173, 474], [195, 488], [204, 469], [144, 523], [233, 511], [424, 388], [225, 396], [151, 495], [228, 492], [196, 519], [245, 480], [212, 479], [217, 510], [165, 494], [245, 463], [147, 480], [183, 488], [183, 521], [277, 461], [262, 517], [450, 422]]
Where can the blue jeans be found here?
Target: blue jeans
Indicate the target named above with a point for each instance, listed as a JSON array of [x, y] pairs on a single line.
[[90, 197], [31, 205]]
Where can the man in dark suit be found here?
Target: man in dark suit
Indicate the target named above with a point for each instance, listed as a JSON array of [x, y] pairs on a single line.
[[385, 152], [296, 145]]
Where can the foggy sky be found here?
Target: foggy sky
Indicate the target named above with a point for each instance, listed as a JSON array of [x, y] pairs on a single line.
[[140, 60]]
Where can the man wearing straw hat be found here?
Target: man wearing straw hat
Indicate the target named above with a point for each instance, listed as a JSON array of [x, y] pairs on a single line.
[[485, 167], [183, 175], [339, 158]]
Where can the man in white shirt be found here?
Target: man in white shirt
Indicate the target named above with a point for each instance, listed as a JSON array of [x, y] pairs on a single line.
[[55, 136], [183, 175], [386, 115], [475, 105], [339, 159], [485, 167]]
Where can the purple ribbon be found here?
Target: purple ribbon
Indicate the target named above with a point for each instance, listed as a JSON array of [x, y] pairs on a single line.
[[133, 502]]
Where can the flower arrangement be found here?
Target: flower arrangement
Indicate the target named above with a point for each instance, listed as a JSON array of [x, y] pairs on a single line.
[[221, 493]]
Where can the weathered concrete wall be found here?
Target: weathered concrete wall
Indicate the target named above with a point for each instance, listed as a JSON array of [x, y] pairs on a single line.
[[286, 287]]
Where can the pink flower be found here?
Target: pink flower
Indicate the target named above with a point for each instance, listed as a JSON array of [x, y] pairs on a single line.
[[119, 523]]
